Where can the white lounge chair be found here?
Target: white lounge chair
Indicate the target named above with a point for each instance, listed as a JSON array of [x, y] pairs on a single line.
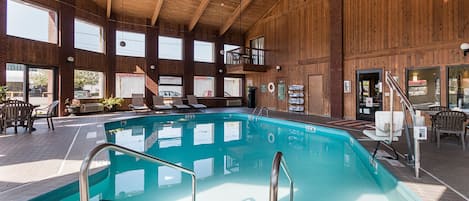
[[382, 129], [194, 103], [138, 103], [158, 104], [177, 103]]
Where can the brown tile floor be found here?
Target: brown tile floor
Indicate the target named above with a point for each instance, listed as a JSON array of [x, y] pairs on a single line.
[[37, 163]]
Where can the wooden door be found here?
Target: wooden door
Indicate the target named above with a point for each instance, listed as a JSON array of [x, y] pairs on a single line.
[[315, 94]]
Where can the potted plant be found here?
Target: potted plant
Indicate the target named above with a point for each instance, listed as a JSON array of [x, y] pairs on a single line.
[[111, 103], [72, 107], [3, 93]]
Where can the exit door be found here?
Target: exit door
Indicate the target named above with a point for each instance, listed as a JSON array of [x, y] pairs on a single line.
[[369, 94]]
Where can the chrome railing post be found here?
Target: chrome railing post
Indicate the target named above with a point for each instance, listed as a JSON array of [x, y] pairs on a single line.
[[277, 163], [84, 170]]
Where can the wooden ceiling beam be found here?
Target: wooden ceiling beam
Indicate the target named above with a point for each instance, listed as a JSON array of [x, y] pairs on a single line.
[[198, 13], [156, 13], [108, 8], [244, 4]]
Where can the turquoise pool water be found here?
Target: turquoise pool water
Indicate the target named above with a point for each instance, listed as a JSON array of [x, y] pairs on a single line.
[[232, 157]]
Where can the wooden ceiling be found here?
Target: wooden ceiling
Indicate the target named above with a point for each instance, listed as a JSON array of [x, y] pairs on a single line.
[[221, 14]]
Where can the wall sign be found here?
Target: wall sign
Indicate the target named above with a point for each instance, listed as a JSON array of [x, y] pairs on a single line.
[[347, 86], [368, 102], [263, 88], [281, 91]]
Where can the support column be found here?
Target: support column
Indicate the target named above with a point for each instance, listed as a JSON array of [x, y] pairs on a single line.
[[151, 80], [66, 13], [111, 59], [3, 41], [219, 64], [336, 65], [188, 63]]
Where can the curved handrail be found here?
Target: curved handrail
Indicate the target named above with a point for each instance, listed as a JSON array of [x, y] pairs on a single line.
[[83, 178], [279, 161]]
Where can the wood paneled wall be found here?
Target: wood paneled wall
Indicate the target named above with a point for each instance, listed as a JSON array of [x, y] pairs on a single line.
[[388, 35]]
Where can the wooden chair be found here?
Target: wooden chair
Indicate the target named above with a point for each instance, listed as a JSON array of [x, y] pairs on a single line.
[[16, 113], [450, 122], [46, 112]]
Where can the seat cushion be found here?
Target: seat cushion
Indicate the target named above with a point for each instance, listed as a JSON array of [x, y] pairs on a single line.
[[372, 134], [140, 107], [182, 106], [198, 106], [162, 107]]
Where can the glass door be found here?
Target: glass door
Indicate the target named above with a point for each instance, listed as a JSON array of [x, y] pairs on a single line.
[[31, 84], [369, 94]]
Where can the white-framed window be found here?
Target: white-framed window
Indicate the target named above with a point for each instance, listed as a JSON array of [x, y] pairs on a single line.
[[30, 21], [130, 44], [88, 36], [128, 84], [204, 86], [204, 51], [233, 87], [169, 48], [227, 47], [88, 84], [170, 86], [204, 134]]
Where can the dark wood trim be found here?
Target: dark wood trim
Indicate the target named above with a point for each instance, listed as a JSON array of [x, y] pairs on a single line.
[[66, 14], [188, 57], [336, 65], [111, 58], [219, 64], [151, 79], [3, 41]]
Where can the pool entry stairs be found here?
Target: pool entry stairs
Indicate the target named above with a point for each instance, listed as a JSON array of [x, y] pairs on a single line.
[[278, 162]]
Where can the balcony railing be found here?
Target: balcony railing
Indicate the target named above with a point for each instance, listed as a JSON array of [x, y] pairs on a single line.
[[245, 56]]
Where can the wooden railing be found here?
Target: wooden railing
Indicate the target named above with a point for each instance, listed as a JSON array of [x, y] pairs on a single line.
[[245, 56]]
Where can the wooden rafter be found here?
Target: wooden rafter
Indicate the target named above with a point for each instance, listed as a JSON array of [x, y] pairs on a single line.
[[198, 13], [244, 4], [156, 13], [108, 8]]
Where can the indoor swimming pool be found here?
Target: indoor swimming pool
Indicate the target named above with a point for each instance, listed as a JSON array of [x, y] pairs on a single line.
[[232, 155]]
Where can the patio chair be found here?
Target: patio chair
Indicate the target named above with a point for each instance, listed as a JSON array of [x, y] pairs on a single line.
[[194, 103], [438, 109], [177, 103], [158, 104], [450, 122], [138, 103], [381, 132], [46, 112], [16, 113]]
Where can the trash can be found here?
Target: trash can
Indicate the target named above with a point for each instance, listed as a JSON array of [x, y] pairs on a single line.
[[251, 97]]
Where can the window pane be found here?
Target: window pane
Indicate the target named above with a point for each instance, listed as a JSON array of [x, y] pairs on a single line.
[[227, 48], [169, 48], [15, 81], [171, 80], [88, 36], [424, 87], [203, 51], [128, 84], [232, 131], [32, 22], [232, 87], [203, 168], [134, 44], [204, 86], [88, 84], [203, 134], [458, 88]]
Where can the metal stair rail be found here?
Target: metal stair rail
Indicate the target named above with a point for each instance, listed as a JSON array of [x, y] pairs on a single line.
[[414, 155], [262, 110], [84, 170], [279, 161]]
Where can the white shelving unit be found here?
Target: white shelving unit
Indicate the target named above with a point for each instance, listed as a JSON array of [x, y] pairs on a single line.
[[296, 99]]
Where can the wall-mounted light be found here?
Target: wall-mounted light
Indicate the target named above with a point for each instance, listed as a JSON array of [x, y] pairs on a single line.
[[278, 68], [220, 70], [70, 59], [465, 48], [153, 67], [122, 44], [222, 52]]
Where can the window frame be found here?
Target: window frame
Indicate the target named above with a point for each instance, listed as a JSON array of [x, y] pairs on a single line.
[[241, 88], [103, 87], [225, 51], [213, 51], [102, 35], [448, 67], [214, 86], [131, 32], [181, 46], [115, 84], [415, 68], [181, 85]]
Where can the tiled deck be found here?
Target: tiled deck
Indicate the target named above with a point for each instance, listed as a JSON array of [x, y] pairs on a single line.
[[45, 160]]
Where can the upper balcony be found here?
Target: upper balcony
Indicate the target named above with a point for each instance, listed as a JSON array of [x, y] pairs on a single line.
[[245, 60]]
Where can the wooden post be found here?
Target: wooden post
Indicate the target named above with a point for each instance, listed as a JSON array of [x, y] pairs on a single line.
[[219, 64], [66, 13], [111, 58], [3, 41], [188, 43], [336, 65], [151, 79]]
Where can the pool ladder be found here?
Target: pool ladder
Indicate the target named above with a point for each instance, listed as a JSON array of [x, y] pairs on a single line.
[[260, 112], [85, 166], [278, 162]]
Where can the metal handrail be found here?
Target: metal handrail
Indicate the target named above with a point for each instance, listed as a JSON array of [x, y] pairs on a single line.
[[263, 109], [279, 161], [83, 178]]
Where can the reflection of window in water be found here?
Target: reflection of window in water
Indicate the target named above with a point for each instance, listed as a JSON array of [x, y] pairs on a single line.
[[423, 87], [133, 138], [231, 165], [458, 87], [169, 137], [130, 183], [169, 176], [203, 134], [203, 168], [232, 131]]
